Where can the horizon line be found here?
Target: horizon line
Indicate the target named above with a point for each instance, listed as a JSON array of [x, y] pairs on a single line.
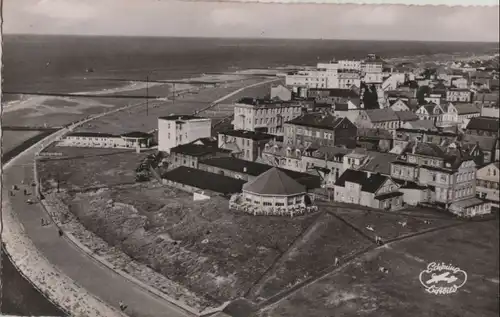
[[249, 38]]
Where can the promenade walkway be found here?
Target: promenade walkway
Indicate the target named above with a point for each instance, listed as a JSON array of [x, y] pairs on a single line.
[[91, 275]]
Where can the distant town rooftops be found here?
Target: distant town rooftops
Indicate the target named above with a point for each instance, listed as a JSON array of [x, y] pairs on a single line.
[[466, 108], [180, 117], [381, 115], [252, 135], [336, 92]]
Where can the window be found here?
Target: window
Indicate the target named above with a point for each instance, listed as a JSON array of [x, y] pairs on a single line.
[[169, 136]]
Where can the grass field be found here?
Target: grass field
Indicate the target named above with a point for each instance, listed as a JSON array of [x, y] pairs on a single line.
[[328, 239], [389, 226], [145, 118], [202, 245], [11, 139], [361, 289], [87, 167]]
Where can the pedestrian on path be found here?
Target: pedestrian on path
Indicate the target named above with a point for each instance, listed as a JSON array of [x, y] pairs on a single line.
[[336, 261], [122, 306], [43, 222], [60, 232]]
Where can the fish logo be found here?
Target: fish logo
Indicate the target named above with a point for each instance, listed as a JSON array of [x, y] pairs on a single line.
[[442, 279]]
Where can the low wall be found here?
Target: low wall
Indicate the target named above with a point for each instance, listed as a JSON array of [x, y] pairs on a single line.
[[57, 287]]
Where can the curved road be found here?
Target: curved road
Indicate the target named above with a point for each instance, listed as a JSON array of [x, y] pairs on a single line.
[[93, 276], [97, 279]]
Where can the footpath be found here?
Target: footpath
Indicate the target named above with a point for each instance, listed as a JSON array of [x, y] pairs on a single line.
[[37, 251]]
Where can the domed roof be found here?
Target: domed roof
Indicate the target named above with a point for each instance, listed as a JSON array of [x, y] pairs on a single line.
[[274, 182]]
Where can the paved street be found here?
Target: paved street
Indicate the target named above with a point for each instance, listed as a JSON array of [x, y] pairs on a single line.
[[97, 279]]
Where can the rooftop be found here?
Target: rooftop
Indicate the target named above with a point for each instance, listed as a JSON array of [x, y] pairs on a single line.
[[406, 116], [136, 135], [204, 180], [484, 124], [381, 115], [317, 120], [466, 108], [93, 135], [274, 182], [369, 182], [237, 165], [261, 102], [256, 136], [180, 117], [197, 149]]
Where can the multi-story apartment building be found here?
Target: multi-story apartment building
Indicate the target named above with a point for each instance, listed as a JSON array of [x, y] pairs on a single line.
[[488, 183], [175, 130], [263, 115], [447, 177], [321, 129], [245, 145], [349, 78], [458, 95]]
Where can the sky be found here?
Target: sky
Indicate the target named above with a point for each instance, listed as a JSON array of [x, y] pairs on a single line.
[[236, 19]]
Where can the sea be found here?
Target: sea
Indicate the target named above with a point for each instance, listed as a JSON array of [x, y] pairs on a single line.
[[53, 63]]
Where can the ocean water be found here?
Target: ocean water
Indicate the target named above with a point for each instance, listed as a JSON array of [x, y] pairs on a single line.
[[59, 63]]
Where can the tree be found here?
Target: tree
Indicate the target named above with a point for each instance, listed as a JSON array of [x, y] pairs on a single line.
[[370, 97], [422, 92]]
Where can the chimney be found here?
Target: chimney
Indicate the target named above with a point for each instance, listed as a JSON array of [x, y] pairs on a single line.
[[244, 169], [368, 174], [414, 148]]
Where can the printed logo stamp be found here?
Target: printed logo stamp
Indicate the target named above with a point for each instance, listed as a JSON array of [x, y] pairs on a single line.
[[442, 279]]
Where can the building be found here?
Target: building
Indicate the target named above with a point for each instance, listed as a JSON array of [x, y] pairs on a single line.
[[399, 105], [386, 119], [190, 154], [285, 156], [281, 92], [175, 130], [430, 112], [458, 95], [333, 96], [246, 145], [247, 171], [460, 83], [484, 126], [492, 111], [132, 140], [273, 193], [368, 189], [490, 145], [263, 115], [348, 79], [327, 162], [321, 129], [488, 183], [405, 135], [375, 139], [459, 113], [447, 176], [487, 98], [198, 181]]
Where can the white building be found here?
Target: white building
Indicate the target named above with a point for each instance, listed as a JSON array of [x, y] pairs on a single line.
[[261, 115], [458, 95], [175, 130], [487, 183], [129, 140]]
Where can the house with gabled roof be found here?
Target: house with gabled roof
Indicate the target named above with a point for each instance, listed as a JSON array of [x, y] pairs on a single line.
[[486, 126], [459, 113], [488, 183], [368, 189], [430, 111], [320, 128]]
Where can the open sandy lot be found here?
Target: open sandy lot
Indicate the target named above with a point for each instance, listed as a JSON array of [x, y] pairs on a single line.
[[11, 139], [360, 289], [81, 168], [212, 251]]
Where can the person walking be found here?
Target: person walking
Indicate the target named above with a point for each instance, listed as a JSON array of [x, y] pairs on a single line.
[[122, 306], [60, 232]]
